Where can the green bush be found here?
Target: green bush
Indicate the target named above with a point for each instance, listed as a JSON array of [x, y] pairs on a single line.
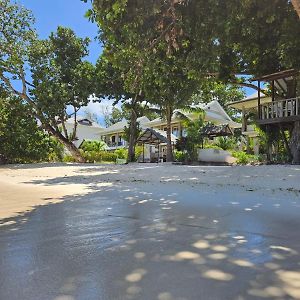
[[212, 146], [138, 152], [244, 158], [99, 156], [225, 143], [180, 156], [121, 153], [56, 151], [93, 146], [68, 158], [108, 156]]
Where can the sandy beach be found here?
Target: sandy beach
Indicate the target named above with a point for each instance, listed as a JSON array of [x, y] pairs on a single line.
[[24, 187], [149, 231]]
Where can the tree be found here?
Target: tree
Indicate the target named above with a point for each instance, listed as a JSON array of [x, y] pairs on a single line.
[[205, 38], [146, 64], [60, 77], [110, 84], [21, 140], [212, 89], [170, 87], [193, 138]]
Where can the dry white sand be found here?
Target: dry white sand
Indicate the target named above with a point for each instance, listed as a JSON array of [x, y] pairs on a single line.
[[24, 187]]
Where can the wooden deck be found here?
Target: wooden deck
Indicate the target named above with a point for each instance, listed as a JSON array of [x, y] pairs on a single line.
[[280, 111]]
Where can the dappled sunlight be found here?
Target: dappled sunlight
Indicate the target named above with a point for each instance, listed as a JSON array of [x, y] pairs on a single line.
[[219, 248], [217, 275], [270, 291], [136, 275], [134, 290], [64, 297], [185, 255], [217, 256], [201, 244], [290, 278], [284, 249], [139, 255], [242, 263]]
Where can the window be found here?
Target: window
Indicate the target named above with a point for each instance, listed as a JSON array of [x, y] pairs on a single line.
[[175, 131], [113, 139], [85, 122]]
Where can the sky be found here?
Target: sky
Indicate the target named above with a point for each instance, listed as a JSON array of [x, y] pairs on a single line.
[[49, 14]]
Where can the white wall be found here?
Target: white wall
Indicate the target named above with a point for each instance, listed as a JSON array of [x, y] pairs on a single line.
[[84, 132]]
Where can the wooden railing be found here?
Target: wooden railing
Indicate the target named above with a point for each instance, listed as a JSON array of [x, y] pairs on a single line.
[[284, 108]]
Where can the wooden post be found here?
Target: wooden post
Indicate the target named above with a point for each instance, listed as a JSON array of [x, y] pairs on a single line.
[[244, 121], [273, 91], [143, 152], [258, 99]]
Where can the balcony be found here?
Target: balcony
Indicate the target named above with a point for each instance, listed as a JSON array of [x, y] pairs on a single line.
[[115, 145], [280, 111]]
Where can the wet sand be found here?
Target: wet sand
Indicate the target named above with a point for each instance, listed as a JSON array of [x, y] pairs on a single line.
[[146, 231]]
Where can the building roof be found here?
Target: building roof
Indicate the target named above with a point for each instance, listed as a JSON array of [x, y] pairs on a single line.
[[119, 126], [250, 102], [154, 136], [212, 130], [214, 112], [84, 122], [278, 75]]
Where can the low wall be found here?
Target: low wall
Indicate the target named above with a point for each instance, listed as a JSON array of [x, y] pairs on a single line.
[[216, 156]]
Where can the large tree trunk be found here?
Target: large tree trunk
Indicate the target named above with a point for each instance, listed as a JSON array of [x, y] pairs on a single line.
[[296, 4], [69, 145], [295, 143], [169, 113], [132, 136]]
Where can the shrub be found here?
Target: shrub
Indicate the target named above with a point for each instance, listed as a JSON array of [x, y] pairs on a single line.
[[93, 146], [225, 143], [68, 158], [209, 146], [121, 153], [138, 152], [108, 156], [180, 156], [99, 156], [56, 152], [244, 158]]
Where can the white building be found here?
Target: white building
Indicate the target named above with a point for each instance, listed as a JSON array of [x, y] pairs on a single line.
[[214, 112], [86, 130]]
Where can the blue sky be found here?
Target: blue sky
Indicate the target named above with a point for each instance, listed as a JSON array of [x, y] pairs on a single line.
[[69, 13]]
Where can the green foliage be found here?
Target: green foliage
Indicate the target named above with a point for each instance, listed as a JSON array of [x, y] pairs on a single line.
[[56, 151], [244, 158], [99, 156], [21, 140], [193, 138], [212, 146], [59, 74], [211, 89], [51, 74], [128, 133], [68, 158], [225, 143], [88, 146], [121, 153], [138, 152], [180, 156]]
